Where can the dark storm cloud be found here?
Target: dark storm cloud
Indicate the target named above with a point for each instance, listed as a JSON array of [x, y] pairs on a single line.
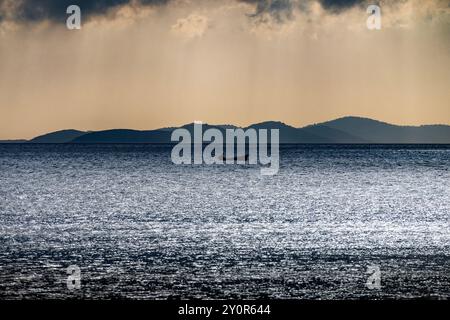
[[55, 10], [282, 9], [36, 10], [279, 9], [338, 5]]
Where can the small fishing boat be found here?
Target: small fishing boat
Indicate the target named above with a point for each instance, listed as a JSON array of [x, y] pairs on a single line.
[[235, 158]]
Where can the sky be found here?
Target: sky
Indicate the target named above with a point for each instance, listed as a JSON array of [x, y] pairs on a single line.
[[146, 64]]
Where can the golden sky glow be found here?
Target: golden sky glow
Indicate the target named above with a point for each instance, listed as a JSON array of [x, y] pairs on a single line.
[[154, 66]]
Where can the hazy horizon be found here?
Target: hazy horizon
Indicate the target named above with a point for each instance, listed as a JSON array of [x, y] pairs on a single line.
[[224, 124]]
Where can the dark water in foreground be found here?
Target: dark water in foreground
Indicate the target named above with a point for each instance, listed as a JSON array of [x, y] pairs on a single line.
[[139, 226]]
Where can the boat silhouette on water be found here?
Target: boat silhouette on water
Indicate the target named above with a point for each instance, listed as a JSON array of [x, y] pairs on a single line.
[[234, 158]]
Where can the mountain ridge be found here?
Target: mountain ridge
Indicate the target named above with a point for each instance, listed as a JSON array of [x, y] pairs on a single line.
[[344, 130]]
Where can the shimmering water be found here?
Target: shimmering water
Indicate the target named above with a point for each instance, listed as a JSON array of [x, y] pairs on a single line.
[[139, 226]]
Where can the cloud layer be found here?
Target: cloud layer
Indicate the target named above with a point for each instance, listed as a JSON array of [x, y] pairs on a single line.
[[38, 10], [268, 13], [32, 10]]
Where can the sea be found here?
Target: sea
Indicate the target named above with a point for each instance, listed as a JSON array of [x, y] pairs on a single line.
[[122, 221]]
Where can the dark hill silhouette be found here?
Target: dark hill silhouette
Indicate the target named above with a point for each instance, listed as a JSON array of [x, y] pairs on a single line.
[[63, 136], [290, 134], [333, 135], [125, 136], [344, 130], [13, 141], [373, 131]]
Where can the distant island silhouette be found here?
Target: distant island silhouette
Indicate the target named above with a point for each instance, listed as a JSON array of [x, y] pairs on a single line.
[[346, 130]]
